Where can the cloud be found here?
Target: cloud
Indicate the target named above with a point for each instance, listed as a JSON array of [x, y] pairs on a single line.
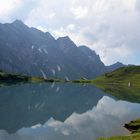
[[109, 27], [6, 7], [79, 12], [105, 119]]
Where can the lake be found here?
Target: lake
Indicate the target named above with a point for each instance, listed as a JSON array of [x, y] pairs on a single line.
[[58, 111]]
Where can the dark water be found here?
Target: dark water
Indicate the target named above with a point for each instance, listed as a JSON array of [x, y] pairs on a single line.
[[61, 112]]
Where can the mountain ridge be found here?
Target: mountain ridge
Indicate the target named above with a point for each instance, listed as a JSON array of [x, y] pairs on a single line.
[[27, 50]]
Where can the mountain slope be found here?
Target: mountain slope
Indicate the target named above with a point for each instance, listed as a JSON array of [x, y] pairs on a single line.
[[115, 66], [124, 75], [84, 59], [94, 62], [32, 52]]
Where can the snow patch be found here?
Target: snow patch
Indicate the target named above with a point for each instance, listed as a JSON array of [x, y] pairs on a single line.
[[66, 77], [43, 74], [45, 51], [29, 107], [58, 68], [36, 106], [32, 47], [53, 71], [39, 49], [57, 89], [52, 85]]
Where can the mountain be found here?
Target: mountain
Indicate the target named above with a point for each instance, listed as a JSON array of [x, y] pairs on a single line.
[[115, 66], [94, 62], [82, 58], [31, 52]]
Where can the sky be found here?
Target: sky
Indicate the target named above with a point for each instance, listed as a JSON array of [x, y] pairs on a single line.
[[110, 27]]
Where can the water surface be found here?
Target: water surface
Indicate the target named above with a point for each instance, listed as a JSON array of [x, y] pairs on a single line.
[[53, 111]]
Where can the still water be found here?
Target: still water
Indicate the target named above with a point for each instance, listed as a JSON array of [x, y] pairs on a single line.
[[54, 111]]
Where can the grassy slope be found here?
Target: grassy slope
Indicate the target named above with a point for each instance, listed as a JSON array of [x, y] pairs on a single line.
[[134, 127], [116, 83], [121, 76]]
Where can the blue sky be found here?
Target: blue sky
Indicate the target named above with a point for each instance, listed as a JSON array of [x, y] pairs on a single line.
[[110, 27]]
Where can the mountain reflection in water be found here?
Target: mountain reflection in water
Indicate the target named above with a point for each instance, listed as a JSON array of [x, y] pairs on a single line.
[[61, 112]]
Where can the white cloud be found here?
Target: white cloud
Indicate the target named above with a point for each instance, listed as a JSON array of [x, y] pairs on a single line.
[[41, 28], [107, 26], [101, 121], [79, 12], [6, 7], [71, 27]]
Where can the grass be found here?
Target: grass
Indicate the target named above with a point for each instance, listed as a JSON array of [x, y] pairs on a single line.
[[7, 78], [116, 83], [10, 79], [131, 137], [131, 94], [121, 76], [81, 81], [134, 127], [36, 79]]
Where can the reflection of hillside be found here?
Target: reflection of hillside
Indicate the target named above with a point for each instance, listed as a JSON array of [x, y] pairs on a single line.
[[30, 104], [131, 94]]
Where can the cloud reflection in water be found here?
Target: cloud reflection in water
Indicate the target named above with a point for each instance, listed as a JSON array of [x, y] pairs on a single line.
[[106, 119]]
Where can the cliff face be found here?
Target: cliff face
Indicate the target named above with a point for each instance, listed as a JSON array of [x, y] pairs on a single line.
[[29, 51]]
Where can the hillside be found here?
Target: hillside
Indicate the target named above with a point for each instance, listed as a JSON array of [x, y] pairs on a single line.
[[123, 83], [9, 79], [122, 76]]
